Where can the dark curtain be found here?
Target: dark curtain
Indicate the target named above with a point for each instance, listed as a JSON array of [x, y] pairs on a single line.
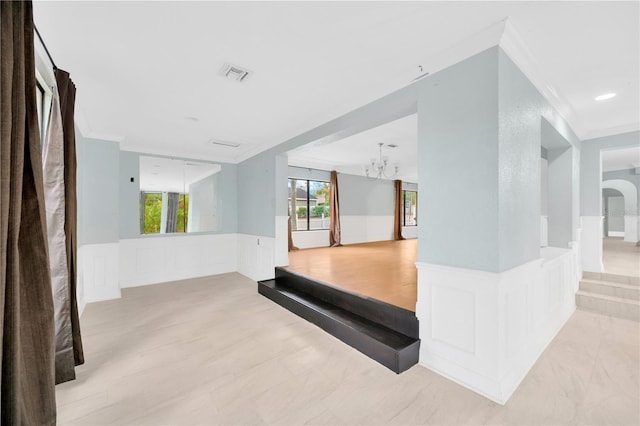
[[334, 212], [399, 212], [292, 246], [172, 211], [67, 92], [27, 392]]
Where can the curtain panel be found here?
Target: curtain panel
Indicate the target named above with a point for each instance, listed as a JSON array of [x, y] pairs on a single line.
[[54, 189], [27, 374], [334, 212], [397, 221], [291, 245], [67, 93]]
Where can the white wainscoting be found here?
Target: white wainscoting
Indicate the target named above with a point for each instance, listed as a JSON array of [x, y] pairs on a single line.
[[630, 228], [410, 232], [256, 257], [98, 273], [311, 239], [486, 330], [281, 244], [591, 243], [355, 229], [364, 229], [616, 234], [154, 260]]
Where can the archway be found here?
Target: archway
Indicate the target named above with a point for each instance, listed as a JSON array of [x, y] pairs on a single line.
[[630, 194]]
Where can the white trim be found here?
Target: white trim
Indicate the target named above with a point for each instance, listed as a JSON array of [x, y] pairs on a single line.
[[591, 243], [616, 130], [616, 234], [513, 45], [485, 330]]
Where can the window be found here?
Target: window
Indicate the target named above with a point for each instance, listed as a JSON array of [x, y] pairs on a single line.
[[170, 207], [308, 204], [410, 208], [43, 99]]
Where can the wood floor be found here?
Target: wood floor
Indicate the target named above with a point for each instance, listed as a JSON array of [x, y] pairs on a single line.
[[383, 270]]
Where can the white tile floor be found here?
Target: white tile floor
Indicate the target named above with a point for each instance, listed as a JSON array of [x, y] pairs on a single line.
[[213, 351]]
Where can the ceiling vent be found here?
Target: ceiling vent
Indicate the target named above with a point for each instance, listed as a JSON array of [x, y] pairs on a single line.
[[224, 143], [234, 72]]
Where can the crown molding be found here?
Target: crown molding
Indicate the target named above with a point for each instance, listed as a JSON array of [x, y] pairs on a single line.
[[610, 131], [512, 44]]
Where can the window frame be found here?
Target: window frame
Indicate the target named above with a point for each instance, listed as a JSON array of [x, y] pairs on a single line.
[[44, 106], [404, 207], [308, 204]]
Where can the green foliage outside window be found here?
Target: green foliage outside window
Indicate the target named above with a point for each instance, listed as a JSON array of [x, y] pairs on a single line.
[[152, 212]]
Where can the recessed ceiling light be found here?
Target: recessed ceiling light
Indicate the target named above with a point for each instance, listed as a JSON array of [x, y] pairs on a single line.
[[605, 97]]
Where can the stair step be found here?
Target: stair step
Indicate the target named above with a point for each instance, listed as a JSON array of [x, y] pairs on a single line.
[[613, 278], [624, 291], [385, 314], [609, 305], [392, 349]]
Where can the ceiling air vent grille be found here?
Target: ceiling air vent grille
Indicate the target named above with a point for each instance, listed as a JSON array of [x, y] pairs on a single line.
[[234, 72], [224, 143]]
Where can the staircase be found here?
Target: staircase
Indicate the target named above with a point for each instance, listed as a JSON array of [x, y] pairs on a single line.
[[609, 294], [383, 332]]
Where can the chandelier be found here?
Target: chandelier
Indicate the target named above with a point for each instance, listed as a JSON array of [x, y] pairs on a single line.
[[379, 169]]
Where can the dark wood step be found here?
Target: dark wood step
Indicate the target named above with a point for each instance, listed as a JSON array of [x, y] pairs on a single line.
[[386, 314], [392, 349]]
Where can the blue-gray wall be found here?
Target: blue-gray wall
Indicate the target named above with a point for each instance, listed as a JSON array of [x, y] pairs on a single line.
[[591, 168], [458, 165], [108, 202], [259, 175], [520, 116], [628, 175], [129, 194], [479, 137], [98, 190], [360, 196], [488, 111]]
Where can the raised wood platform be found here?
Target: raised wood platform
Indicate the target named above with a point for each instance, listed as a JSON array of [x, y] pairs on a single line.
[[383, 270], [384, 332]]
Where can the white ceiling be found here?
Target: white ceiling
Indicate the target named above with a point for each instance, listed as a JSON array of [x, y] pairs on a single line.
[[351, 155], [620, 159], [146, 72]]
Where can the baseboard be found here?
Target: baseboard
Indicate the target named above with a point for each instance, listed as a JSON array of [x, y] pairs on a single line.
[[615, 234]]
